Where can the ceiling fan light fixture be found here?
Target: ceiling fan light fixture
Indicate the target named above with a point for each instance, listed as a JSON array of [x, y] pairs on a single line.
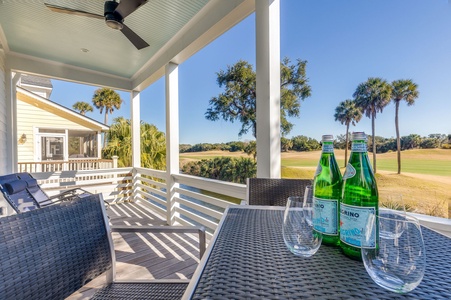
[[112, 22]]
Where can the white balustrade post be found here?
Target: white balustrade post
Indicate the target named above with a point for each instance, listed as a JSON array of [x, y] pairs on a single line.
[[267, 16], [115, 157], [172, 139]]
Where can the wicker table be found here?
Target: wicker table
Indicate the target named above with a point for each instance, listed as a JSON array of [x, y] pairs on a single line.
[[247, 259]]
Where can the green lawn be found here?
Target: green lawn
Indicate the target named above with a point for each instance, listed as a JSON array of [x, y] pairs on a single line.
[[425, 161], [424, 182]]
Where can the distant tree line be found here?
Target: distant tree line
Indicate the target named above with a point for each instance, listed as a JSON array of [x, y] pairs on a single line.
[[230, 146], [304, 143], [412, 141]]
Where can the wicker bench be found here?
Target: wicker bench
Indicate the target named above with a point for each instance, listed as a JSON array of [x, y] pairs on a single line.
[[52, 252]]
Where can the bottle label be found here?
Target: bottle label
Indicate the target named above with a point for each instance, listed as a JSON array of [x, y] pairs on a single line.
[[325, 216], [353, 220], [359, 146], [328, 147], [349, 172]]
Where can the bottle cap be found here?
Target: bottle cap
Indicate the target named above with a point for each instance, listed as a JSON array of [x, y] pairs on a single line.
[[358, 136], [328, 138]]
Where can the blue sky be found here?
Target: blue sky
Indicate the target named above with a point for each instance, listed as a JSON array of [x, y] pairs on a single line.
[[344, 42]]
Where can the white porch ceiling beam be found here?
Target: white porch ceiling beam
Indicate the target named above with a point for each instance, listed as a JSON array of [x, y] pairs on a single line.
[[214, 19], [267, 15], [42, 67]]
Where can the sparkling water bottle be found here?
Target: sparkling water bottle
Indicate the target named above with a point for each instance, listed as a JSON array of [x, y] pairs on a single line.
[[360, 198], [327, 189]]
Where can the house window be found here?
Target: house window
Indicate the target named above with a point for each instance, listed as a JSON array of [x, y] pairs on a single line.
[[82, 144], [52, 148]]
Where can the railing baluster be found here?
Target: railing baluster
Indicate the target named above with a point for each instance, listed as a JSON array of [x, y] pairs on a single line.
[[70, 165]]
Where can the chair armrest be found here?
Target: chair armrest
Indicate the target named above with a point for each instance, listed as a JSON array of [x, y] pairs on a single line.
[[167, 229], [70, 192]]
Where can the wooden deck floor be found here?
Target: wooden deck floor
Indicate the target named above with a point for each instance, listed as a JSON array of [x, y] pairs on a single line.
[[146, 256]]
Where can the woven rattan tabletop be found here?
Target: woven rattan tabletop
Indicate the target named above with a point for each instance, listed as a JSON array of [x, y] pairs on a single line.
[[247, 259]]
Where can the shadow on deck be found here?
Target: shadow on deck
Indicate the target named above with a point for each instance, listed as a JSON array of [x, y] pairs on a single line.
[[146, 256]]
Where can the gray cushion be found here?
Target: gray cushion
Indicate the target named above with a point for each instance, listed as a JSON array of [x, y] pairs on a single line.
[[31, 182], [15, 186]]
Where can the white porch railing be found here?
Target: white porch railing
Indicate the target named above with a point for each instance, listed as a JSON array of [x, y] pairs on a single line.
[[61, 165], [197, 200]]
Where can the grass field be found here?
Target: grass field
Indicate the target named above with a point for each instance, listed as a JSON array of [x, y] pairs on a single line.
[[424, 182]]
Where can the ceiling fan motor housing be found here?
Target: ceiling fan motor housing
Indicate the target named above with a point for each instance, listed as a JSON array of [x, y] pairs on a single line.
[[112, 18]]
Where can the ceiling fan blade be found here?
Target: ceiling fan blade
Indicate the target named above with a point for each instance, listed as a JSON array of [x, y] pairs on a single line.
[[71, 11], [126, 7], [134, 38]]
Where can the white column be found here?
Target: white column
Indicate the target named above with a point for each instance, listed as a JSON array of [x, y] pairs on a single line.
[[99, 144], [11, 134], [136, 128], [172, 137], [4, 100], [135, 121], [267, 15]]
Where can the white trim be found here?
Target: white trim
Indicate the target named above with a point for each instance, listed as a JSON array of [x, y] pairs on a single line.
[[49, 68]]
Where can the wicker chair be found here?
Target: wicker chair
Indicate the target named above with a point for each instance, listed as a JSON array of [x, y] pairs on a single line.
[[70, 245], [274, 192]]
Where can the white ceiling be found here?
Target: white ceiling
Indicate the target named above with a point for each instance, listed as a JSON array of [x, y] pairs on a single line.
[[33, 36]]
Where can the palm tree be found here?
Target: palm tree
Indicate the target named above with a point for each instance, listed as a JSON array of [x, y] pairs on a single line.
[[347, 113], [153, 144], [402, 90], [82, 107], [106, 99], [372, 96]]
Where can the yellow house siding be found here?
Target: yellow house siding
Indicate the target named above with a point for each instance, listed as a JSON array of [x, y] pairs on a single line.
[[29, 116]]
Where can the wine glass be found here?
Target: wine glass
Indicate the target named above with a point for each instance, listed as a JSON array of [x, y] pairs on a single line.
[[298, 233], [394, 223], [308, 204], [393, 251]]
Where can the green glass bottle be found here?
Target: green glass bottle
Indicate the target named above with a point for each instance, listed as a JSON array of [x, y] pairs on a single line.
[[360, 198], [327, 189]]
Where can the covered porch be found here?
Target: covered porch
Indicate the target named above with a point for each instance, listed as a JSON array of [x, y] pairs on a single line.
[[167, 197], [122, 66], [138, 195]]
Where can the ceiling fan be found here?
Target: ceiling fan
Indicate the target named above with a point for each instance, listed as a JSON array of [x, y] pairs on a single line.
[[114, 15]]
